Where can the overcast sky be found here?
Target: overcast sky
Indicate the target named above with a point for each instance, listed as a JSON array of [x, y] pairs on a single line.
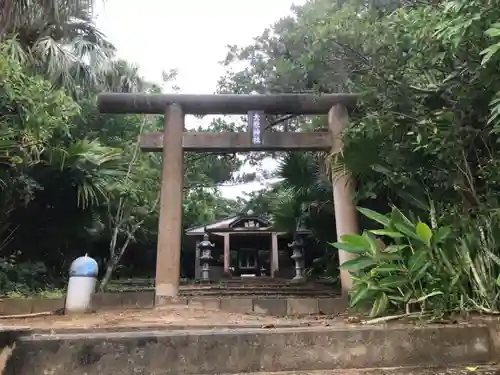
[[190, 36]]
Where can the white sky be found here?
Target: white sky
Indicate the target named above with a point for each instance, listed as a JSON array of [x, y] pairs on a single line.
[[190, 36]]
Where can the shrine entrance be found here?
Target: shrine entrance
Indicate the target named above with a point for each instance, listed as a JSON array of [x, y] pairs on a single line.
[[251, 262], [174, 140]]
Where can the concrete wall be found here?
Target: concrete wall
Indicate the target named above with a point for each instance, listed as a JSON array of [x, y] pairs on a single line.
[[249, 350], [146, 300]]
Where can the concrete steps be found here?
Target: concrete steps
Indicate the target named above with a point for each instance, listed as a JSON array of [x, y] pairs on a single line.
[[467, 370], [258, 288], [342, 350], [261, 287], [237, 292]]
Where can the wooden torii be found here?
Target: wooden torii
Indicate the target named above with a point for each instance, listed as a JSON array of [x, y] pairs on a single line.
[[174, 140]]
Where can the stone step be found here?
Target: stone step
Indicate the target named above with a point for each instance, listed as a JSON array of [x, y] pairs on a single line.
[[464, 370], [232, 282], [255, 350], [241, 293], [244, 288], [269, 282], [287, 283], [259, 287], [258, 290]]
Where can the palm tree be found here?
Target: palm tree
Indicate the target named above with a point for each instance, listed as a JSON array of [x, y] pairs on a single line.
[[304, 186], [91, 168], [121, 76], [12, 11], [59, 39], [305, 192]]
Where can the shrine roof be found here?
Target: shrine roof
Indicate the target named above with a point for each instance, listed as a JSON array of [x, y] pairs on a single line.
[[237, 223]]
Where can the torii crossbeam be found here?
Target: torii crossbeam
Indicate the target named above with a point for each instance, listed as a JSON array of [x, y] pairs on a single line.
[[175, 140]]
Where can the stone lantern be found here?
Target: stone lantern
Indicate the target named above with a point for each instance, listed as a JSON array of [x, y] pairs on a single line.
[[297, 247], [262, 271], [206, 258]]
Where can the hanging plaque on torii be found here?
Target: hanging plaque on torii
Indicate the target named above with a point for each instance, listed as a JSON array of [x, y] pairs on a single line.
[[257, 124]]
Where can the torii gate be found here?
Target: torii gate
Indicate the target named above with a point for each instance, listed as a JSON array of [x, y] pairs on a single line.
[[174, 141]]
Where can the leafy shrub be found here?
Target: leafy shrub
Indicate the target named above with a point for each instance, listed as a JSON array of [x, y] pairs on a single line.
[[435, 270], [22, 278]]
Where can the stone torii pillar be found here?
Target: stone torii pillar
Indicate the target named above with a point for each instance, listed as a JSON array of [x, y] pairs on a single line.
[[173, 141], [168, 254], [346, 220]]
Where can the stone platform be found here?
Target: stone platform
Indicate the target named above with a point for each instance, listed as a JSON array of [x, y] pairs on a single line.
[[273, 306], [337, 349], [239, 334], [262, 286], [276, 297]]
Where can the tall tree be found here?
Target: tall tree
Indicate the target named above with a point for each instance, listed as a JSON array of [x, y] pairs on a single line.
[[421, 125], [59, 39]]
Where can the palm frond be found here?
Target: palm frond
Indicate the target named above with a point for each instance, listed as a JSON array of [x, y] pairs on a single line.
[[285, 209], [65, 46], [95, 169], [14, 13], [304, 174]]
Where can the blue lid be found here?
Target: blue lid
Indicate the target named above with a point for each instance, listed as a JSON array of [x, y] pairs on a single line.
[[84, 266]]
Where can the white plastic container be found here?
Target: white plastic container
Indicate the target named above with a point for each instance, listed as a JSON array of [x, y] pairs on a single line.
[[82, 280]]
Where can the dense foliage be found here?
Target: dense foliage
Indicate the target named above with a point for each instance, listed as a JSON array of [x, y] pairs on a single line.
[[422, 269], [422, 145], [424, 137], [73, 181]]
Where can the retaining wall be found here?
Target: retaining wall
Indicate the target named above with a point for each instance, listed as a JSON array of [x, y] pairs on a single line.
[[249, 350], [146, 300]]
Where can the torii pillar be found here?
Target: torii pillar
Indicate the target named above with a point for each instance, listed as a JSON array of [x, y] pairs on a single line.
[[168, 261], [346, 219]]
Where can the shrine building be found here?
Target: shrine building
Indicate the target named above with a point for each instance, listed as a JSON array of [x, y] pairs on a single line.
[[247, 246]]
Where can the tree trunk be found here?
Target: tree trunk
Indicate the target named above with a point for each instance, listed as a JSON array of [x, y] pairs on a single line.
[[107, 276], [115, 259]]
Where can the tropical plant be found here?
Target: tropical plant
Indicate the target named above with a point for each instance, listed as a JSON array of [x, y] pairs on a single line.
[[59, 40], [303, 189], [438, 270], [72, 180], [91, 167], [12, 11]]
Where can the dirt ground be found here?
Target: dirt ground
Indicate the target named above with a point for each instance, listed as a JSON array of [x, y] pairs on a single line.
[[164, 317], [203, 317]]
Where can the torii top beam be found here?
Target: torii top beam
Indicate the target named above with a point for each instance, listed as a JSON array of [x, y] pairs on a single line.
[[224, 104]]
